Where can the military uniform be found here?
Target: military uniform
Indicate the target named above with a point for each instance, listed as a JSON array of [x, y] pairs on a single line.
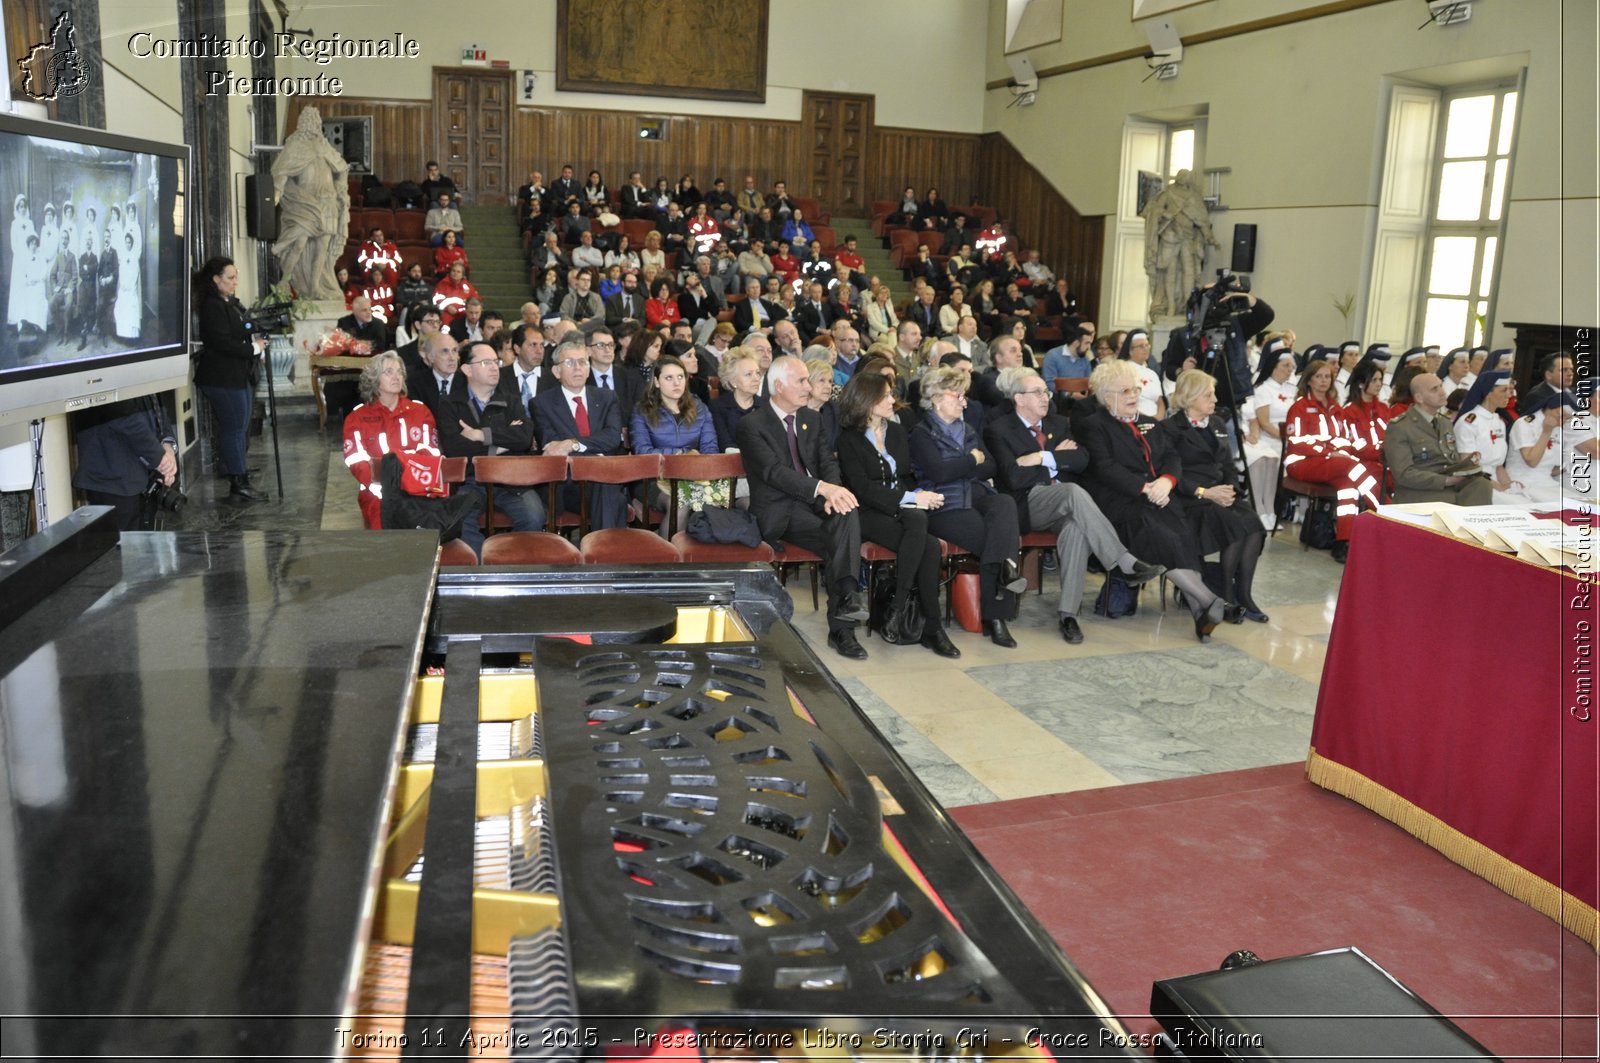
[[1419, 449]]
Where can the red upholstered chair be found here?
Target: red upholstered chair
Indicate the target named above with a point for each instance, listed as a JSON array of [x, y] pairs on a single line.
[[611, 469], [520, 470], [530, 548], [789, 554], [954, 559], [1036, 542], [1075, 385], [627, 546], [678, 467], [408, 227], [456, 554]]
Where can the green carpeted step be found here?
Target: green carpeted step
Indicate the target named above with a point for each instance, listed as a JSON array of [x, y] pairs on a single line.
[[494, 247]]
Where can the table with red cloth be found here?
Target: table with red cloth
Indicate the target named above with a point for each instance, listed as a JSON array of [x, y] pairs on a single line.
[[1457, 701]]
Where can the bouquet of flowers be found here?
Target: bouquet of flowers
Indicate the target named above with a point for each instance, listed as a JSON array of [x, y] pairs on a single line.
[[335, 343]]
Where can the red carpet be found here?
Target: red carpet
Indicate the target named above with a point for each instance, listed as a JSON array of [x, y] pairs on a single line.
[[1158, 880]]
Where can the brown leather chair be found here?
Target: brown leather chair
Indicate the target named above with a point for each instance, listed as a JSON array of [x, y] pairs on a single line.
[[456, 554], [627, 546], [530, 548], [677, 467], [521, 470]]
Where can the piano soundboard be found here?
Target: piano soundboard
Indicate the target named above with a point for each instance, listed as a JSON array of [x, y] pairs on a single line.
[[293, 795]]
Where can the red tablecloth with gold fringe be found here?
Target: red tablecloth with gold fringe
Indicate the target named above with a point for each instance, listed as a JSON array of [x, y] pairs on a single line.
[[1458, 701]]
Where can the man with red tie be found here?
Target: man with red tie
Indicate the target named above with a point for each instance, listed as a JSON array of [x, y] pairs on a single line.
[[1037, 458], [579, 418]]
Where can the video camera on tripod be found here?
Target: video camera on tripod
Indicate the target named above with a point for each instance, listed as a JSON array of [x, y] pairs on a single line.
[[271, 317]]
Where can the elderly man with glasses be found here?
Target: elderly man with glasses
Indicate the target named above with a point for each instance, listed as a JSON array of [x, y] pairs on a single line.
[[1036, 459], [581, 418], [481, 421]]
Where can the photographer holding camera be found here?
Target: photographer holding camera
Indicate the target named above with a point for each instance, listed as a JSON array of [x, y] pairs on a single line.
[[127, 459]]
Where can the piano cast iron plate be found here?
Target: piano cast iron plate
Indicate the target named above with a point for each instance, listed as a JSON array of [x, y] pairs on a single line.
[[719, 853]]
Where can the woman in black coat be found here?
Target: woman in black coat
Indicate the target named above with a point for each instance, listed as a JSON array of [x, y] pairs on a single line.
[[1221, 520], [1134, 479], [875, 464], [952, 460], [228, 355]]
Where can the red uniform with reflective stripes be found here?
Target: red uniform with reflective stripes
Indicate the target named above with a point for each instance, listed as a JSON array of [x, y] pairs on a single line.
[[386, 256], [1318, 448], [451, 298], [1367, 423], [373, 430]]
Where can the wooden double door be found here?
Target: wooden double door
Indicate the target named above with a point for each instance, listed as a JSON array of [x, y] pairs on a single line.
[[838, 135], [472, 112]]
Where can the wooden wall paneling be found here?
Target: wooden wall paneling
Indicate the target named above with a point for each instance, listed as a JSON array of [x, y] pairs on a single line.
[[1069, 242], [609, 141], [923, 159], [402, 130]]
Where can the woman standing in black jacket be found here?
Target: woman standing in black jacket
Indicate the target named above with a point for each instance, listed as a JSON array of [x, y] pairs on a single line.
[[228, 354], [875, 464]]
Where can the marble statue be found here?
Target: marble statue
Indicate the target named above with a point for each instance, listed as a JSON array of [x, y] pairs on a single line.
[[309, 185], [1177, 231]]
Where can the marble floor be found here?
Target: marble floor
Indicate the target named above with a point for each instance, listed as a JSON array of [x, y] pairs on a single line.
[[1138, 701]]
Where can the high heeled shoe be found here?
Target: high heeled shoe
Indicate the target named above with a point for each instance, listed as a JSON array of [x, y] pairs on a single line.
[[939, 642], [1207, 622], [1015, 581]]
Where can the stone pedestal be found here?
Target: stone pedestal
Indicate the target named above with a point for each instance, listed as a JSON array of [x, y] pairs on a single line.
[[309, 330]]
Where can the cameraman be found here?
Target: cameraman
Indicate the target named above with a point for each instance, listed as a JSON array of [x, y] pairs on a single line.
[[1221, 315], [226, 369], [124, 449]]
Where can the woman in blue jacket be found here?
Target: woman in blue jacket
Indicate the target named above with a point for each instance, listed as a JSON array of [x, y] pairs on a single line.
[[952, 460], [670, 420]]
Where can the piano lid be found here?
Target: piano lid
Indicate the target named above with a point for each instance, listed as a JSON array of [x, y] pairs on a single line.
[[197, 735]]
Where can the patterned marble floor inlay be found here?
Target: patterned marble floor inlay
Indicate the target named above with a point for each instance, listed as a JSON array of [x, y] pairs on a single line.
[[1164, 714], [949, 782]]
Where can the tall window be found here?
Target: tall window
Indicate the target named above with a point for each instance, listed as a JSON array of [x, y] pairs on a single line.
[[1180, 149], [1471, 176]]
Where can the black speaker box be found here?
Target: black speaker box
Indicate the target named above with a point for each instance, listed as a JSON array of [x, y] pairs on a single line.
[[1244, 248], [260, 213]]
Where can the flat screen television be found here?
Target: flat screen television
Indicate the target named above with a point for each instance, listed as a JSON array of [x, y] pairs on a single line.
[[94, 267]]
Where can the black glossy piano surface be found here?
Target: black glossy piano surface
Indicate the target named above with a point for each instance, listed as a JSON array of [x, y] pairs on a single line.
[[266, 794]]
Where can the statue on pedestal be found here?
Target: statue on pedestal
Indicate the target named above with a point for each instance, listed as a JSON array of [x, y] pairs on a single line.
[[309, 185], [1177, 231]]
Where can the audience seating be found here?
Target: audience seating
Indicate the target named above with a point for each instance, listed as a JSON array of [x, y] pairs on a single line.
[[1073, 385], [529, 548], [520, 470], [627, 546], [789, 554], [456, 554], [678, 467], [611, 469]]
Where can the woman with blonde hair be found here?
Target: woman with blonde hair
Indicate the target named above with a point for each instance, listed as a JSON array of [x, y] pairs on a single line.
[[386, 422], [1134, 479]]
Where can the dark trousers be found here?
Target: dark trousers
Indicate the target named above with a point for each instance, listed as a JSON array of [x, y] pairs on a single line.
[[132, 513], [916, 557], [836, 538], [989, 530], [232, 409]]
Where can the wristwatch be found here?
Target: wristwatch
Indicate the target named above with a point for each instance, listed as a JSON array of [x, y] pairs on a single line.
[[1199, 492]]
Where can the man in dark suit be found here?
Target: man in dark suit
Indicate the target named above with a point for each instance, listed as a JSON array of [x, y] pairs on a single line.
[[579, 419], [527, 375], [562, 189], [438, 379], [636, 198], [924, 313], [1037, 458], [627, 304], [745, 316], [478, 422], [816, 314], [424, 320], [339, 392], [698, 305], [796, 496], [622, 381]]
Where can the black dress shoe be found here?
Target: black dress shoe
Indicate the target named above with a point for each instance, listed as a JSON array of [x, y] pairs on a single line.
[[241, 488], [1015, 581], [843, 642], [1341, 550], [854, 608], [940, 643], [1207, 622], [1143, 572], [1233, 614], [1070, 630], [999, 634]]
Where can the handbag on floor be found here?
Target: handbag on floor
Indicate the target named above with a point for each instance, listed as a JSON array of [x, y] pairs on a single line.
[[1117, 598], [1318, 529]]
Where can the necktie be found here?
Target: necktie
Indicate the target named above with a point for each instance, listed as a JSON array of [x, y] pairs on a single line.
[[605, 381], [580, 415], [444, 385], [794, 446], [527, 394], [1038, 436]]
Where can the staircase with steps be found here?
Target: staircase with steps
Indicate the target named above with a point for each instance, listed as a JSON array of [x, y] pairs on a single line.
[[494, 248]]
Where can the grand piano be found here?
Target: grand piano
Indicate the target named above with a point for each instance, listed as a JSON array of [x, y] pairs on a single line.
[[308, 795]]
